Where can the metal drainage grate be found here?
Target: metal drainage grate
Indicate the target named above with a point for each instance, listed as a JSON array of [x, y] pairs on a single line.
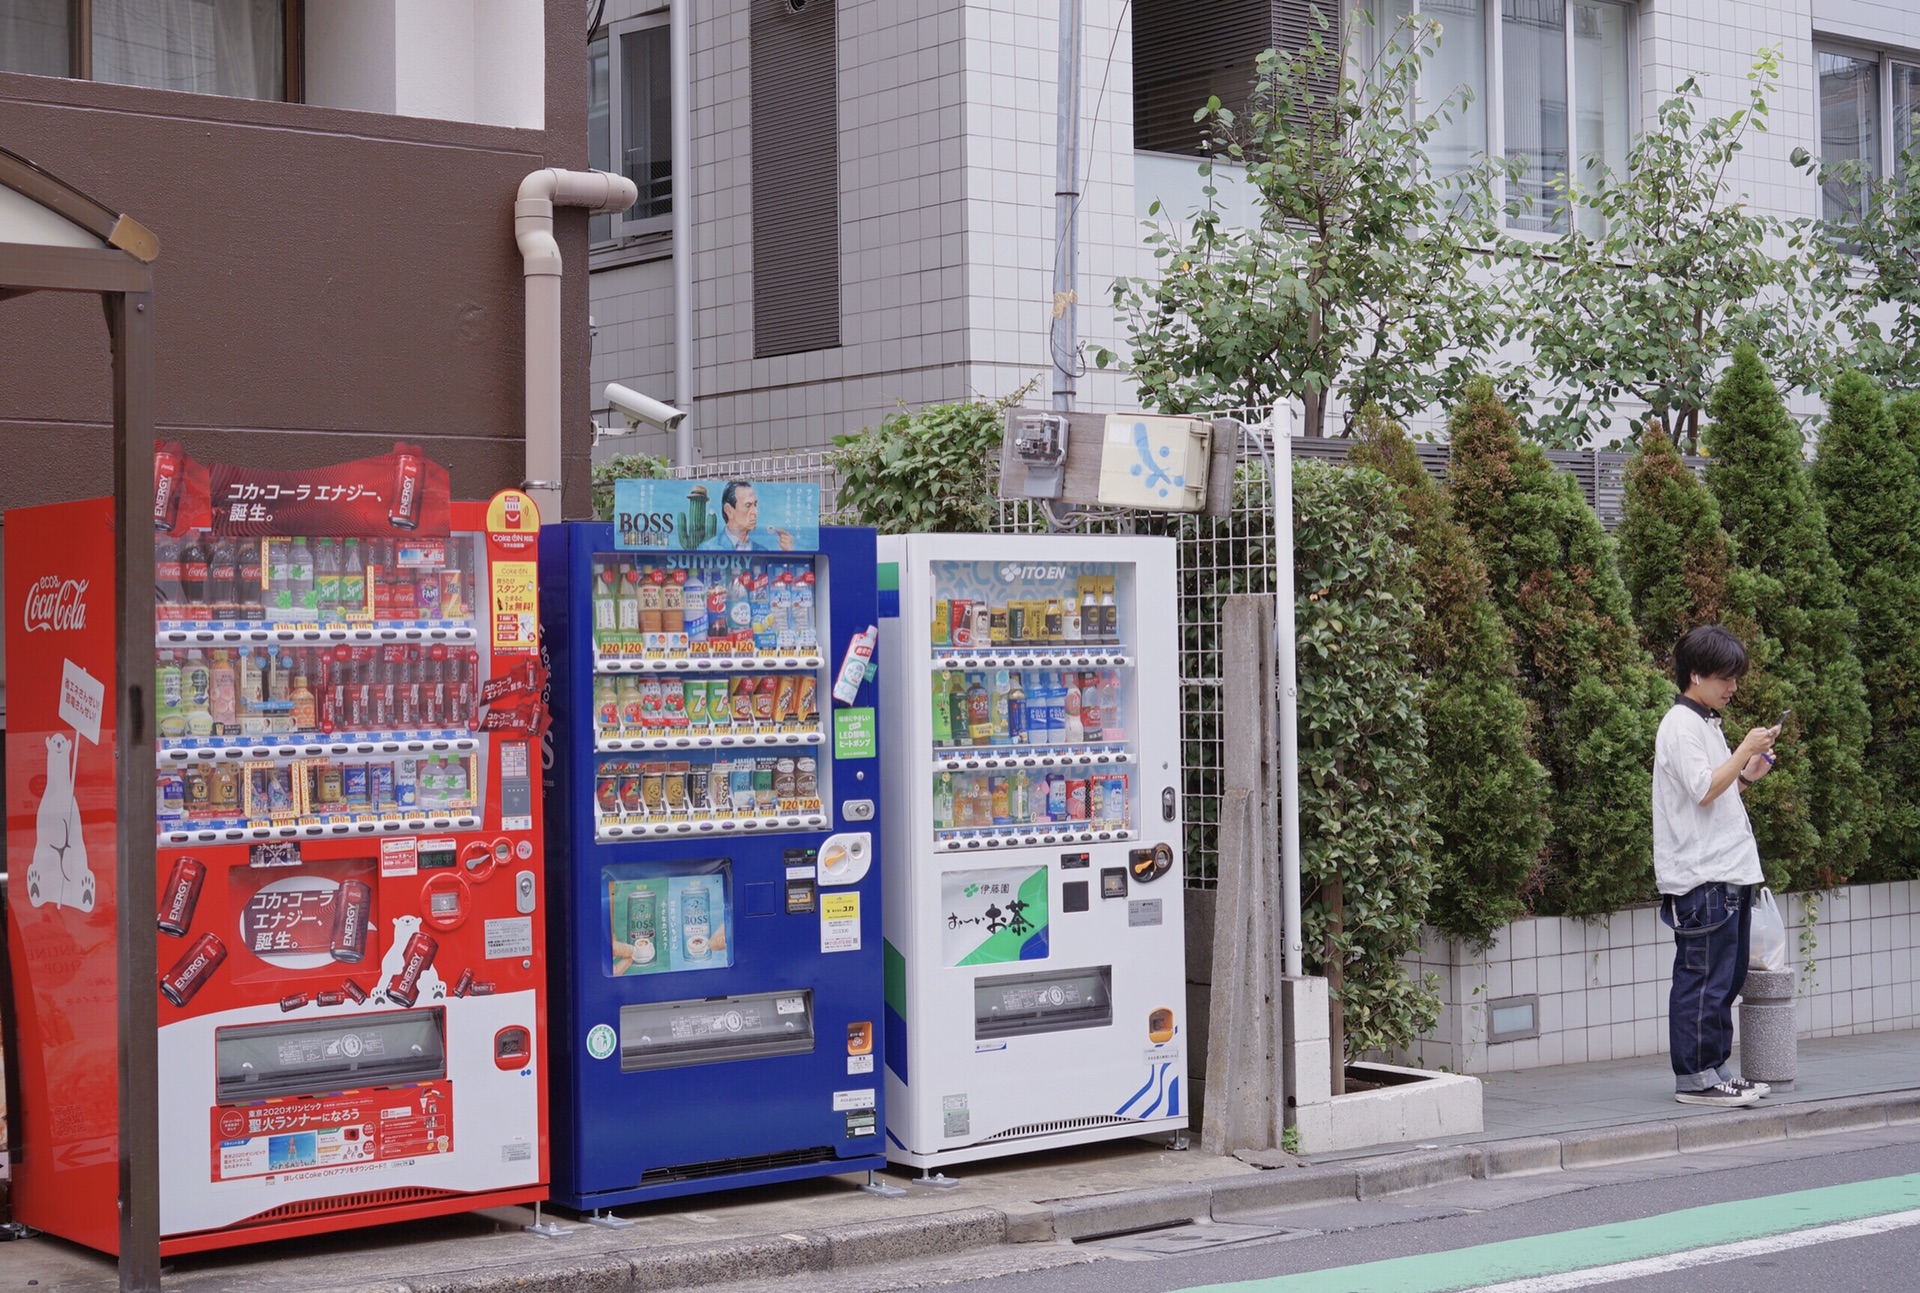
[[1189, 1237]]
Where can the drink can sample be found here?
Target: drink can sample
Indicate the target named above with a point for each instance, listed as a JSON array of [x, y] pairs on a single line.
[[642, 925], [167, 471], [351, 908], [464, 982], [191, 972], [293, 1001], [181, 896], [329, 998], [356, 993], [404, 986], [696, 923], [407, 472]]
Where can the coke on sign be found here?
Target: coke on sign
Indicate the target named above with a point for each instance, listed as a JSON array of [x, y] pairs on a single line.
[[55, 605]]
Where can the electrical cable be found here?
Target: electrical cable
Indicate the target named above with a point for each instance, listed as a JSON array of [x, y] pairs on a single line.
[[1073, 366], [593, 26]]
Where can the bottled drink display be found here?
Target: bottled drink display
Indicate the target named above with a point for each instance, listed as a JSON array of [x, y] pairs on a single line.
[[1022, 750], [1028, 708], [627, 706], [232, 695], [201, 579], [1085, 614], [324, 791], [1059, 801], [705, 789], [693, 605]]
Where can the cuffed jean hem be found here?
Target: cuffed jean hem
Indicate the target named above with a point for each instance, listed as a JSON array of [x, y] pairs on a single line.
[[1701, 1081]]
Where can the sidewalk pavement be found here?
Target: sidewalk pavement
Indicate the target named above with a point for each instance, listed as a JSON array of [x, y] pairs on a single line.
[[1576, 1115]]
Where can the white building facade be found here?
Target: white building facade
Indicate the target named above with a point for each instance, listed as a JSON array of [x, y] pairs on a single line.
[[923, 271]]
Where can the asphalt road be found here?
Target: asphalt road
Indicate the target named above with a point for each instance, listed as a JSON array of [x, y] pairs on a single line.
[[1829, 1214]]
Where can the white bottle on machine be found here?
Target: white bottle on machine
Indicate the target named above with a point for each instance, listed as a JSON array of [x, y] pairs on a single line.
[[853, 669]]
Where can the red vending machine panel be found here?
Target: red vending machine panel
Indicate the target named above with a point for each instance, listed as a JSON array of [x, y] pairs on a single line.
[[352, 960]]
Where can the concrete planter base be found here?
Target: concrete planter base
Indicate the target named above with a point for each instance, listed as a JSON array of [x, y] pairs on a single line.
[[1409, 1105]]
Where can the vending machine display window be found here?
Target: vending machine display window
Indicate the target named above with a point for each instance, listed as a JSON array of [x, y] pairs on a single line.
[[1033, 700], [664, 917]]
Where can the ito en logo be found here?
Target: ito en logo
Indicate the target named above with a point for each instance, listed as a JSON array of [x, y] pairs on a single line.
[[1014, 571], [55, 605]]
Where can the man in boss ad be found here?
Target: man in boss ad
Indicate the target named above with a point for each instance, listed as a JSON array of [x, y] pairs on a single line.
[[351, 968]]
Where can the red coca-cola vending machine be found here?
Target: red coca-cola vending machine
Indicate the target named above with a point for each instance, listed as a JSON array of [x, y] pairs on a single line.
[[352, 962]]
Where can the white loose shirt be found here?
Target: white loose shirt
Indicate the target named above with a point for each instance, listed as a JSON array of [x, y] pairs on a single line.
[[1694, 844]]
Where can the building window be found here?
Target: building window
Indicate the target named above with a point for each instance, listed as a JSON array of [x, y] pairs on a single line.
[[246, 49], [1558, 100], [1186, 51], [1869, 115], [630, 123]]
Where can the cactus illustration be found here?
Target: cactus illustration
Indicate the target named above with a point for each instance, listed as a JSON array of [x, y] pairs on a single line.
[[697, 524]]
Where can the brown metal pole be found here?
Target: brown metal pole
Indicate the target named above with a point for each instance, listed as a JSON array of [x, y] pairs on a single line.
[[130, 324]]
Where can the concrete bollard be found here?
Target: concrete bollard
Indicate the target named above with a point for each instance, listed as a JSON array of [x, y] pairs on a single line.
[[1769, 1046]]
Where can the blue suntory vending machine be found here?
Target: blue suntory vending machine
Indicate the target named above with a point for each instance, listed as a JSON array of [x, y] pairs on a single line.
[[717, 980]]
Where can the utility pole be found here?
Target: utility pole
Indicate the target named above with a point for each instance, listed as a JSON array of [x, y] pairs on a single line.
[[1063, 338]]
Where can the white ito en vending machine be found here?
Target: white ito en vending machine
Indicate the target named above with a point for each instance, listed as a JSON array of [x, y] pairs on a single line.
[[1034, 940]]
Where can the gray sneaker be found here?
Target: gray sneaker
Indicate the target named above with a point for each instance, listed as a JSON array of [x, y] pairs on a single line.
[[1721, 1095], [1758, 1088]]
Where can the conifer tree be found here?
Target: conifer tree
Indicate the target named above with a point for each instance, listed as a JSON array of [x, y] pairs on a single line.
[[1869, 486], [1814, 814], [1593, 695], [1674, 556], [1486, 800]]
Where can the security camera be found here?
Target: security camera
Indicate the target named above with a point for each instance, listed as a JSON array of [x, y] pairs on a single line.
[[638, 408]]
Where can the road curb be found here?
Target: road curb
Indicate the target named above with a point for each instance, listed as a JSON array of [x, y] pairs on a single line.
[[1094, 1216]]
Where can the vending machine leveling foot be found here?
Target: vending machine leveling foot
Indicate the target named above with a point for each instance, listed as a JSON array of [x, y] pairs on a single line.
[[1178, 1141], [877, 1186], [607, 1220], [546, 1229], [935, 1180]]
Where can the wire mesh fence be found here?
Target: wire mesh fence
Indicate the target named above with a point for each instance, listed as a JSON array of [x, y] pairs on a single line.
[[1218, 557]]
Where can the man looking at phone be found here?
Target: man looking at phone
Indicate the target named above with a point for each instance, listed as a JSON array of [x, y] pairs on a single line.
[[1706, 863]]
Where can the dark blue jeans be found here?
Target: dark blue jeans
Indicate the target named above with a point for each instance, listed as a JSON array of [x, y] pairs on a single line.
[[1711, 926]]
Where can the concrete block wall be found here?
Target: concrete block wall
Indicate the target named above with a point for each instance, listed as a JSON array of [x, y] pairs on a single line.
[[1602, 987]]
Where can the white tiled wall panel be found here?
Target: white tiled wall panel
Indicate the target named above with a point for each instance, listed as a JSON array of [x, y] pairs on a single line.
[[1603, 987]]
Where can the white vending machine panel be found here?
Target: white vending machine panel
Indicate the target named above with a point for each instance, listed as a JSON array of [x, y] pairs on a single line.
[[1034, 924]]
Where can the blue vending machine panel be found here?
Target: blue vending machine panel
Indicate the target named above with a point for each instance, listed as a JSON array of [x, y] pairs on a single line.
[[717, 978]]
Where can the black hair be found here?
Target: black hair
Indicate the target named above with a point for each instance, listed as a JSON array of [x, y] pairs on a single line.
[[1708, 651], [730, 493]]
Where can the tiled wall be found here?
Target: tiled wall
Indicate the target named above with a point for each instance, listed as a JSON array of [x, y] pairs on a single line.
[[1603, 987]]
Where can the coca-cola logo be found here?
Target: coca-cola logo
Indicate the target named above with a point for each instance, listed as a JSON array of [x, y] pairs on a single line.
[[55, 605]]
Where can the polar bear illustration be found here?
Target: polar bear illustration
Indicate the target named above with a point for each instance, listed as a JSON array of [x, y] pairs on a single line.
[[59, 873], [430, 986]]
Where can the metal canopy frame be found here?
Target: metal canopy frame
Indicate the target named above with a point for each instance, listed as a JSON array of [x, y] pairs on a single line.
[[120, 273]]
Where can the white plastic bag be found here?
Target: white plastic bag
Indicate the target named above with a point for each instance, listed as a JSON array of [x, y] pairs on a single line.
[[1768, 944]]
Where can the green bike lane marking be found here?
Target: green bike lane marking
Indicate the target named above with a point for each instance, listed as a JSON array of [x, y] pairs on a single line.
[[1624, 1241]]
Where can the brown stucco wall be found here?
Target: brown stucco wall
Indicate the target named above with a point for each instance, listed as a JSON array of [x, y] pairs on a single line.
[[328, 281]]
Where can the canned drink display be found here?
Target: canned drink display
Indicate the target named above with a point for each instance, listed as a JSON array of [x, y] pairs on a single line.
[[355, 993], [352, 908], [806, 777], [181, 896], [191, 972], [407, 471], [464, 982], [696, 923], [643, 914], [404, 986]]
